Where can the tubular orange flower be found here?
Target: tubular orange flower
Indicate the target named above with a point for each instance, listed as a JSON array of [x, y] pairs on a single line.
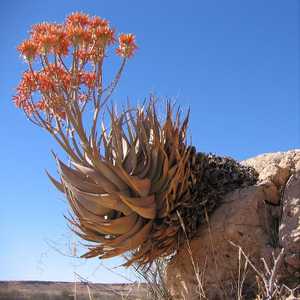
[[54, 76], [78, 19], [104, 36], [41, 105], [22, 98], [50, 38], [29, 80], [40, 29], [46, 84], [25, 89], [19, 100], [47, 43], [97, 54], [28, 49], [127, 39], [84, 54], [127, 45], [56, 71], [62, 47], [78, 35], [98, 22], [89, 79], [61, 43]]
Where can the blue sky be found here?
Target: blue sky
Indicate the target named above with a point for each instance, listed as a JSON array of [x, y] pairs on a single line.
[[234, 63]]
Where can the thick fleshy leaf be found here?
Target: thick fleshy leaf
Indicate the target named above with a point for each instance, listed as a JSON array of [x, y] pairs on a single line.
[[56, 183], [108, 201], [143, 206]]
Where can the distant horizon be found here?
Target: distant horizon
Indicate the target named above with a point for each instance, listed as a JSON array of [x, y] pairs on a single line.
[[53, 281], [236, 65]]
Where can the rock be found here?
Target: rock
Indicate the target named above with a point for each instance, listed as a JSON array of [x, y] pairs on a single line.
[[289, 231], [293, 260], [271, 191], [248, 218], [275, 174]]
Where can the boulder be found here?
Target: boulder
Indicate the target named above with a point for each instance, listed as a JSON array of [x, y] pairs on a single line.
[[255, 221]]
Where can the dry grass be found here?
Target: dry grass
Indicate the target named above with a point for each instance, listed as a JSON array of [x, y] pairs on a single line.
[[199, 276], [267, 285], [154, 277]]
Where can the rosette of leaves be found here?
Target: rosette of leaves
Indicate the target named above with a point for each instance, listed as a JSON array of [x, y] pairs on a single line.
[[122, 199]]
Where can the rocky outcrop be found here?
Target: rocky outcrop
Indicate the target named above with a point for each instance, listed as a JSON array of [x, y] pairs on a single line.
[[260, 219], [289, 231]]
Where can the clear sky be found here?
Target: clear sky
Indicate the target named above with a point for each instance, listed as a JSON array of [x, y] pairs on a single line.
[[235, 63]]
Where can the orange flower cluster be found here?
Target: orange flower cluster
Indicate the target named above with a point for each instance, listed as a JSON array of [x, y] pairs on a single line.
[[127, 45], [89, 35], [25, 89], [84, 41], [53, 83]]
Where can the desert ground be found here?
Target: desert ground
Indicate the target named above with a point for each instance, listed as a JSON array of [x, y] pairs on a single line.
[[48, 290]]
